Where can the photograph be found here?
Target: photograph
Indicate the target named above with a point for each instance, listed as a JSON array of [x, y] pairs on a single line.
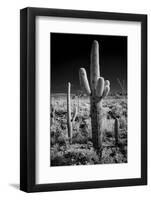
[[83, 101], [88, 99]]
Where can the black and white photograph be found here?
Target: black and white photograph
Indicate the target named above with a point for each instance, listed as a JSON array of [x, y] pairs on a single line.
[[83, 84], [88, 99]]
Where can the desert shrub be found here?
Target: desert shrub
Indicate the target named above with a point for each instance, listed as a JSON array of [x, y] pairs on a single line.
[[79, 138], [107, 125], [113, 155], [117, 110], [58, 137], [57, 159], [106, 156], [62, 139], [82, 134], [124, 104], [122, 123], [74, 155]]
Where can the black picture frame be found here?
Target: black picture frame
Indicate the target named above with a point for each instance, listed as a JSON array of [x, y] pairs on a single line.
[[28, 98]]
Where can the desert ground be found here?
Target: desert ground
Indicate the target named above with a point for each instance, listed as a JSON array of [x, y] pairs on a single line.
[[80, 151]]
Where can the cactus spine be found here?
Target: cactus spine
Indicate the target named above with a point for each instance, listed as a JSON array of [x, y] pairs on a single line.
[[97, 90], [69, 123]]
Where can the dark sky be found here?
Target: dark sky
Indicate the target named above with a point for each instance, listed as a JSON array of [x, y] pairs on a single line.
[[69, 52]]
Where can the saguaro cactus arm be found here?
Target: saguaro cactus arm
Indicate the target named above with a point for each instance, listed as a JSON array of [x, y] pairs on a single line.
[[106, 91], [100, 86], [84, 81]]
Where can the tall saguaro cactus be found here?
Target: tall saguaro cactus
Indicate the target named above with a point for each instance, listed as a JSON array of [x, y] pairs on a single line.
[[69, 123], [97, 90]]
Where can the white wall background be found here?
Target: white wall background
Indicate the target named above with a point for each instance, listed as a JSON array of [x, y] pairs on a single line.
[[9, 98]]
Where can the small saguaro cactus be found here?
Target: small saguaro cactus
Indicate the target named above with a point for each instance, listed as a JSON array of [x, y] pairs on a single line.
[[97, 90], [70, 119], [116, 130], [69, 123], [52, 115]]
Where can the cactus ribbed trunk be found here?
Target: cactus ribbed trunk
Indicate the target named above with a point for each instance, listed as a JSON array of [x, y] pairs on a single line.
[[69, 123], [96, 123]]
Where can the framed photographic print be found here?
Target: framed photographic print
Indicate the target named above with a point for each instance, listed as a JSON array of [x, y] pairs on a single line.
[[83, 99]]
